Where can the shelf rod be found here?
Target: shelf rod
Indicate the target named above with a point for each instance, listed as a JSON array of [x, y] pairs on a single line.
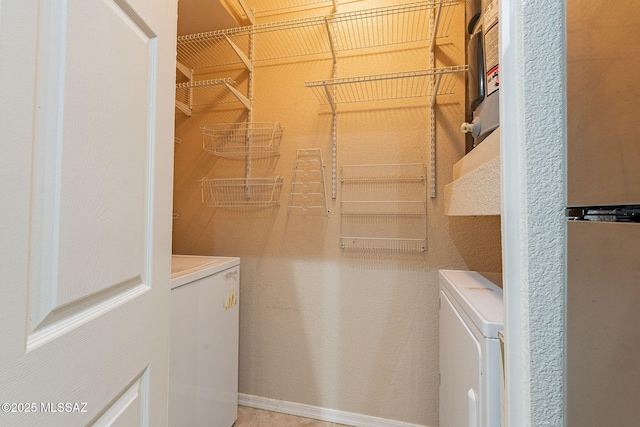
[[245, 60]]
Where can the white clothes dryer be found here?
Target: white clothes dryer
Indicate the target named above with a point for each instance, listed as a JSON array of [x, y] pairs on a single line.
[[470, 319]]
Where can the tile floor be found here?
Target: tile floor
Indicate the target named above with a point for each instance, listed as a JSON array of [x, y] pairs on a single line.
[[251, 417]]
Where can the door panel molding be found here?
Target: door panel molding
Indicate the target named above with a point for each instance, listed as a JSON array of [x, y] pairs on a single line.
[[130, 407], [99, 259], [67, 317]]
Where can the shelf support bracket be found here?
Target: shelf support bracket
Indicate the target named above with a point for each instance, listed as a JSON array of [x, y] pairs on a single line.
[[436, 22], [186, 71], [247, 12], [245, 60], [331, 42], [330, 99], [183, 107], [245, 101], [436, 87]]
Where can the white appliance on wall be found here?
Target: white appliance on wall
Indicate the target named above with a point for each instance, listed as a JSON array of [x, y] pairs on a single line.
[[470, 319], [203, 355], [484, 66], [603, 199]]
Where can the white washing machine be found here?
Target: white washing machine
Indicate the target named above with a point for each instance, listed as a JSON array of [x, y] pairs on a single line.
[[470, 319]]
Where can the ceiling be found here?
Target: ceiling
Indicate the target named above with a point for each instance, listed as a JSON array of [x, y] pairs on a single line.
[[198, 16]]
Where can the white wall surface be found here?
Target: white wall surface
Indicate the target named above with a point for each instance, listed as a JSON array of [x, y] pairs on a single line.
[[533, 134], [320, 325]]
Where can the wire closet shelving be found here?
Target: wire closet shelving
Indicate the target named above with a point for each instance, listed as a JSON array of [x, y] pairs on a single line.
[[380, 87], [416, 24], [327, 34], [208, 92], [400, 172], [384, 207], [262, 7]]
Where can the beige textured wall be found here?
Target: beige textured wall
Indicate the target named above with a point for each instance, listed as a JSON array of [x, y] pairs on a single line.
[[320, 325]]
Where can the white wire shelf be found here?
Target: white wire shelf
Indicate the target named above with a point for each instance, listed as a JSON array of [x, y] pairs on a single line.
[[255, 139], [241, 192], [392, 25], [380, 244], [335, 33], [214, 48], [208, 92], [261, 7], [383, 208], [371, 173], [380, 87]]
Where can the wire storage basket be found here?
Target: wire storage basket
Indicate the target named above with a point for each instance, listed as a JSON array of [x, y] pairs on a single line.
[[255, 139], [241, 192]]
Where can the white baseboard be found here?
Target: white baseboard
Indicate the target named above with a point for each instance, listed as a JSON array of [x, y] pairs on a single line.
[[317, 413]]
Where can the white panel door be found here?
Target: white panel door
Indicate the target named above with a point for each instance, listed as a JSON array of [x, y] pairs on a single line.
[[86, 127]]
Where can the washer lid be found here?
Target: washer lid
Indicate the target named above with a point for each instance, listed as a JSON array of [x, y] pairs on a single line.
[[478, 297]]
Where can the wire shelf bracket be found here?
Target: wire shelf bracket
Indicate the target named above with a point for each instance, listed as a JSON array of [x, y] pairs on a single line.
[[186, 71], [244, 58], [248, 12], [208, 92]]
